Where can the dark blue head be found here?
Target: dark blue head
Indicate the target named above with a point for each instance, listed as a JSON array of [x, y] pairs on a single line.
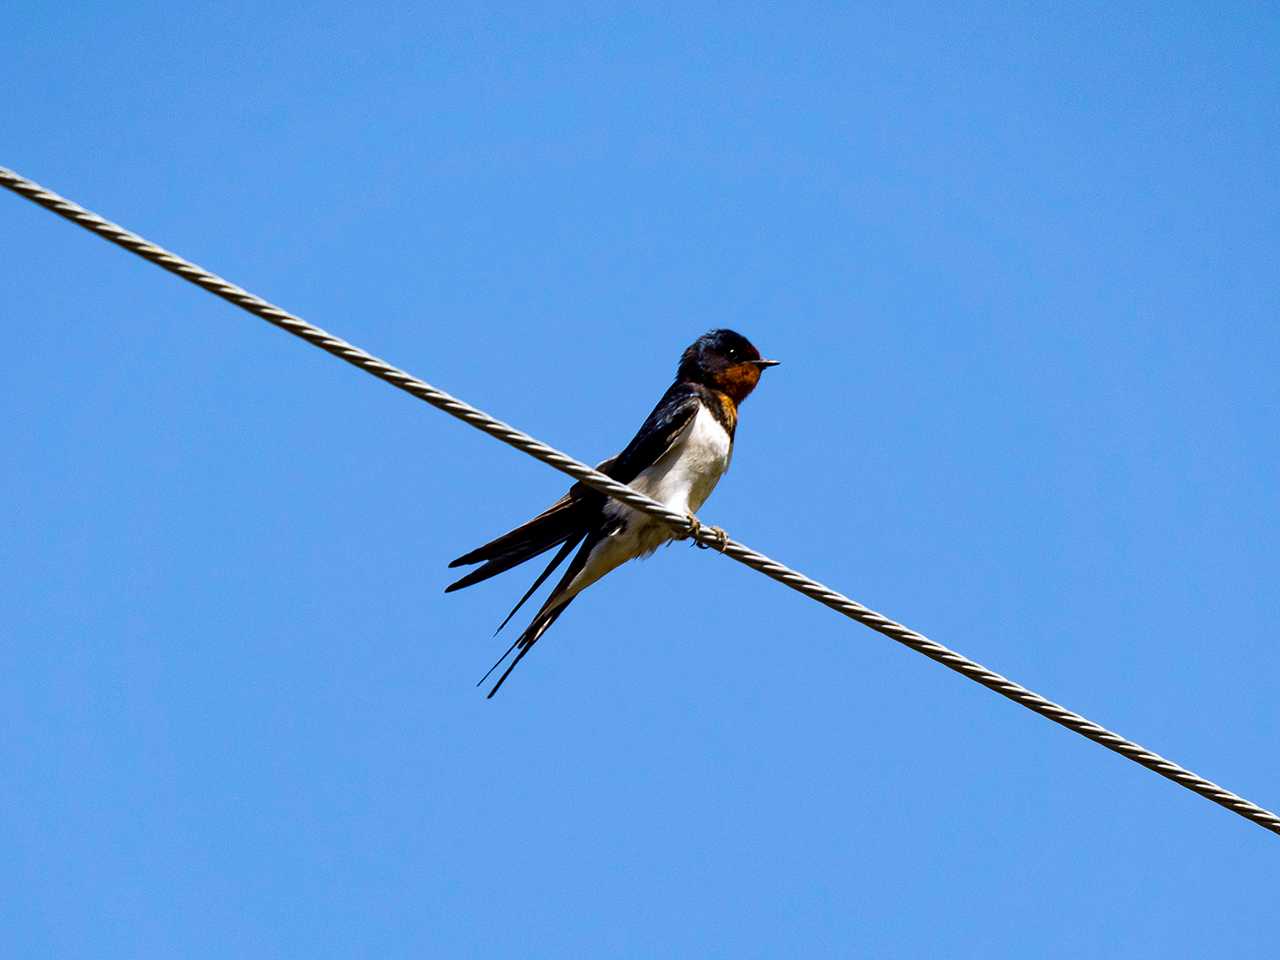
[[725, 361]]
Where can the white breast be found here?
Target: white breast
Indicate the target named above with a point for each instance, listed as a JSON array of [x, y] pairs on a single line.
[[682, 479], [685, 476]]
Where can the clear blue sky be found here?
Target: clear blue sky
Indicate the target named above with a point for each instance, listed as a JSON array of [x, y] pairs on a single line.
[[1021, 267]]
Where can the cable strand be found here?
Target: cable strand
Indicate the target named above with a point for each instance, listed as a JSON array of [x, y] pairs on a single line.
[[681, 525]]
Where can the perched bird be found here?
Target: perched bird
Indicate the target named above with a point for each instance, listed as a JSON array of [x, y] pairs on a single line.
[[676, 458]]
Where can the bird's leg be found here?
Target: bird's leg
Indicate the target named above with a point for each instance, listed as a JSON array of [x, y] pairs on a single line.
[[695, 528], [719, 537]]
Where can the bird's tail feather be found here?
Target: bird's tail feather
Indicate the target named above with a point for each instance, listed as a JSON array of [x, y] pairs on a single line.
[[561, 596], [558, 523], [563, 522], [555, 562], [497, 663], [525, 642]]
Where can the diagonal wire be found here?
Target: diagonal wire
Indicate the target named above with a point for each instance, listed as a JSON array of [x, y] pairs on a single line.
[[679, 523]]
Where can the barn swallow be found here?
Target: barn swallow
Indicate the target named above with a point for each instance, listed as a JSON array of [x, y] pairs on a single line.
[[680, 452]]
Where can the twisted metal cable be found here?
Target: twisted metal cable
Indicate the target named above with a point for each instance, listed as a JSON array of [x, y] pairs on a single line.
[[680, 524]]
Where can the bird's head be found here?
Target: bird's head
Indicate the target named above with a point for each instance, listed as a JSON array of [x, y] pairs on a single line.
[[725, 361]]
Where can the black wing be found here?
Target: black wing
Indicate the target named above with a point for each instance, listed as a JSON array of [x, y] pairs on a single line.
[[659, 431], [567, 521], [573, 518], [657, 434], [570, 516]]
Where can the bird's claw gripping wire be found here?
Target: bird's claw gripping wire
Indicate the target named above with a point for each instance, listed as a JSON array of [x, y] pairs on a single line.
[[719, 537]]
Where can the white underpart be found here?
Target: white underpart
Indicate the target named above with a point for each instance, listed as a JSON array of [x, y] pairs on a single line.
[[682, 479]]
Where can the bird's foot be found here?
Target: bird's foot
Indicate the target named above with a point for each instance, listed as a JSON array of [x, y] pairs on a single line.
[[719, 539]]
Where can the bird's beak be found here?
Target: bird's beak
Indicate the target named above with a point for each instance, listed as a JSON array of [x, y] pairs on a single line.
[[766, 363]]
